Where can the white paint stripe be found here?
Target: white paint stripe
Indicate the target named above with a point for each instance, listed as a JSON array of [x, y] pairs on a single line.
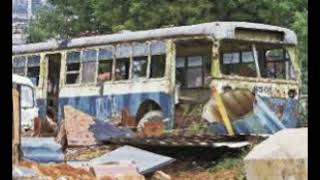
[[115, 89]]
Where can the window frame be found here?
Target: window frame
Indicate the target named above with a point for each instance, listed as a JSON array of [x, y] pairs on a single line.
[[72, 72], [25, 66], [33, 96], [114, 62], [186, 67], [82, 62], [158, 54]]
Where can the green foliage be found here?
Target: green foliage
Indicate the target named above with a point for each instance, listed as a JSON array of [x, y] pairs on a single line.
[[197, 128]]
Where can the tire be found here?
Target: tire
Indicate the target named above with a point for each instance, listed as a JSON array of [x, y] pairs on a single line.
[[149, 116]]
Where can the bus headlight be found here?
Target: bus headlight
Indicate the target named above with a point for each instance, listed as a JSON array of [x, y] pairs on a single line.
[[292, 93]]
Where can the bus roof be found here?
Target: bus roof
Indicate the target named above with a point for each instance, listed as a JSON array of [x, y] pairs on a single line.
[[218, 30], [17, 79]]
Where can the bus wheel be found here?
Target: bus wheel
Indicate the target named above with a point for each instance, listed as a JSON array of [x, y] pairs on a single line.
[[152, 116]]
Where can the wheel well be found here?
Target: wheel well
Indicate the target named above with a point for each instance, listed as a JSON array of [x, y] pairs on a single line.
[[145, 107]]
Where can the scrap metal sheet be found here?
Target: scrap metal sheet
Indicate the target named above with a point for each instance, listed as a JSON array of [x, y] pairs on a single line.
[[145, 161]]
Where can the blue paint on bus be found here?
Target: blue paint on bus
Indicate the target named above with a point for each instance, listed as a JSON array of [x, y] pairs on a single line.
[[264, 119], [104, 107]]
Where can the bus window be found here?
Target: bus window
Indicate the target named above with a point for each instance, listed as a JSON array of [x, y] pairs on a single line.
[[73, 67], [180, 71], [139, 67], [122, 69], [105, 64], [33, 69], [123, 53], [18, 65], [158, 65], [278, 65], [140, 60], [89, 58], [158, 59], [239, 63], [27, 99], [193, 71], [238, 59]]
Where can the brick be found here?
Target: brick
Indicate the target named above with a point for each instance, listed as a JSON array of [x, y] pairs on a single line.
[[77, 126]]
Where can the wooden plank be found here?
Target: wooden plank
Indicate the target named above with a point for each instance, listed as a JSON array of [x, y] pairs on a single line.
[[15, 126], [222, 111]]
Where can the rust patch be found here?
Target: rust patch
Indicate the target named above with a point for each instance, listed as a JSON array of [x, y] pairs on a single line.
[[126, 119]]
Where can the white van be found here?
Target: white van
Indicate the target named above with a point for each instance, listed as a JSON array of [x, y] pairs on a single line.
[[29, 109]]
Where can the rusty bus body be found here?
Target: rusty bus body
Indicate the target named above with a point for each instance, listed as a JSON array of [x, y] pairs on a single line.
[[126, 75]]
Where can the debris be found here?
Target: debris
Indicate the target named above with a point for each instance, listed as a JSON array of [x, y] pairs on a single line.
[[237, 141], [41, 150], [146, 161], [23, 172], [116, 170], [160, 175], [61, 137], [82, 129], [87, 153], [283, 156], [64, 170], [44, 127], [130, 176]]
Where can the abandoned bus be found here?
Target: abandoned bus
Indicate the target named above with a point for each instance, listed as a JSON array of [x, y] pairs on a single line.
[[171, 72]]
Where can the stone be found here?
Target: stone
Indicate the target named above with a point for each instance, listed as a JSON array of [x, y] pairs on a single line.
[[283, 155], [160, 175]]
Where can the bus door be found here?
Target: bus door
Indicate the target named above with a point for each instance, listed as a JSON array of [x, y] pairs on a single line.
[[54, 65]]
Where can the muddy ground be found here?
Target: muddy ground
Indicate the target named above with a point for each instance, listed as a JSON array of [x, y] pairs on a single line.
[[191, 163]]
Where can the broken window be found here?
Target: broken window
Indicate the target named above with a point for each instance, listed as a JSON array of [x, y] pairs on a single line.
[[278, 64], [33, 69], [18, 65], [105, 64], [123, 53], [73, 67], [158, 59], [140, 60], [158, 65], [89, 58], [122, 69], [139, 67], [193, 71], [239, 63]]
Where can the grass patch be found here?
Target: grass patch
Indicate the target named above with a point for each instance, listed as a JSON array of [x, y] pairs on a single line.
[[230, 164]]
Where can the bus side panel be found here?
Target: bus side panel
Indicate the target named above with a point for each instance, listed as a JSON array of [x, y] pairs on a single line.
[[42, 104], [104, 108]]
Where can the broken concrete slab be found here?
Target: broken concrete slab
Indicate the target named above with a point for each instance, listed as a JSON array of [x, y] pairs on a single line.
[[145, 161], [83, 130], [42, 150], [283, 156], [20, 173], [23, 172], [115, 170]]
